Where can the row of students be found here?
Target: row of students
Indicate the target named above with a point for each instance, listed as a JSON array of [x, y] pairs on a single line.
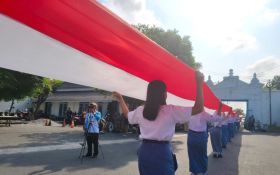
[[157, 122], [224, 128], [227, 127]]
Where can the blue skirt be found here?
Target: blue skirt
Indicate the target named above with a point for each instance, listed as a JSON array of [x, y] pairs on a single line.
[[228, 133], [155, 159], [237, 124], [231, 129], [224, 135], [197, 150], [215, 136]]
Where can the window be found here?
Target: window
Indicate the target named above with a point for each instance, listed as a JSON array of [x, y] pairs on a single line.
[[48, 108], [83, 107], [62, 109]]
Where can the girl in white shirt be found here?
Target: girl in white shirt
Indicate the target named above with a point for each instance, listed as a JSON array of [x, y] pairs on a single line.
[[225, 131], [216, 135], [157, 122], [197, 142]]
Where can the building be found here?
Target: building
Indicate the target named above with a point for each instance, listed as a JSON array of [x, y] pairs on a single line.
[[76, 97], [254, 94]]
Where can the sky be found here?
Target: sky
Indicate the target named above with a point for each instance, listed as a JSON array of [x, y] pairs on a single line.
[[243, 35]]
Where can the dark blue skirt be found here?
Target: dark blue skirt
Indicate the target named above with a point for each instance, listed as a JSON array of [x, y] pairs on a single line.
[[231, 129], [228, 132], [155, 159], [237, 124], [215, 136], [224, 135], [197, 150]]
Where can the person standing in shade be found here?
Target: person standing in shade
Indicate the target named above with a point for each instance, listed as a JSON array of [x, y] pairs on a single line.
[[228, 129], [197, 142], [157, 122], [92, 129], [225, 134], [231, 123], [238, 120], [216, 134], [253, 123], [69, 116]]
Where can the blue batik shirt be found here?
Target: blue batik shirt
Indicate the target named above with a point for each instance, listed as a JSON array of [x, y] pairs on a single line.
[[91, 122]]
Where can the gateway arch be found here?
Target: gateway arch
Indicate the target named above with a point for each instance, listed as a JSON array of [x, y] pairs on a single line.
[[253, 93]]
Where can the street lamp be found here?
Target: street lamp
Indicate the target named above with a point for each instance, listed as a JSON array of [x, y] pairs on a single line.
[[269, 86]]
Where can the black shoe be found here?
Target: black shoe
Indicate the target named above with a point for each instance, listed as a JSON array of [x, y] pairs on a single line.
[[94, 156], [87, 155], [220, 156], [224, 146], [215, 156]]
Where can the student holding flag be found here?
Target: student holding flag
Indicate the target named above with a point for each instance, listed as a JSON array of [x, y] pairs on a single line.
[[216, 134], [225, 133], [157, 122], [231, 125], [197, 142]]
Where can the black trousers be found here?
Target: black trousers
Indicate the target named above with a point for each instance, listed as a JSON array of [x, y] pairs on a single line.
[[92, 139]]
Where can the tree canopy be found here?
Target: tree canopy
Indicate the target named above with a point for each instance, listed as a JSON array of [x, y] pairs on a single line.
[[180, 47], [42, 91], [276, 82], [239, 111], [16, 85]]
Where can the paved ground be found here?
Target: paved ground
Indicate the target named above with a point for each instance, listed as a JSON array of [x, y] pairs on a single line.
[[36, 149]]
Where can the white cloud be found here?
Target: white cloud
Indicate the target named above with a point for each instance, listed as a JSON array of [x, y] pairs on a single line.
[[133, 11], [265, 69], [239, 42], [221, 24], [269, 16]]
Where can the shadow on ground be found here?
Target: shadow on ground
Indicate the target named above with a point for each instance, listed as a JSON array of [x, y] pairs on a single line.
[[67, 160], [276, 134], [229, 163], [45, 139]]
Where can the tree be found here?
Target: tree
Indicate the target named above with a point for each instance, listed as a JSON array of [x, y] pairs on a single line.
[[239, 111], [276, 82], [16, 85], [41, 93], [180, 47]]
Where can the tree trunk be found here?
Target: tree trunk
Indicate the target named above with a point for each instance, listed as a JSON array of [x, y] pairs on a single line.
[[12, 105], [40, 100], [37, 106]]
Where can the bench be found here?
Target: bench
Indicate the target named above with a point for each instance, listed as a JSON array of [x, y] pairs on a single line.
[[8, 119]]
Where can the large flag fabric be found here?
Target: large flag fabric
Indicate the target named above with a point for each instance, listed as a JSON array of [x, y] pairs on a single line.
[[83, 42]]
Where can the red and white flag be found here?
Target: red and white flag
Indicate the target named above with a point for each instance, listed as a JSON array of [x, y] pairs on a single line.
[[84, 43]]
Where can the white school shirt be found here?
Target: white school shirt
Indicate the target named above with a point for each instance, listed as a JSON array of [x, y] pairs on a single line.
[[199, 121], [231, 119], [163, 127], [219, 121], [224, 121]]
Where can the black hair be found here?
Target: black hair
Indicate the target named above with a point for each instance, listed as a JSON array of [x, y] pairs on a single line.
[[155, 99]]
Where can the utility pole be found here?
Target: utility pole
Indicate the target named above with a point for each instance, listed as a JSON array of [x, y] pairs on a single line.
[[269, 86]]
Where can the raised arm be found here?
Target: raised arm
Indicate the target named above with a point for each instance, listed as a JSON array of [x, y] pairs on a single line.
[[122, 103], [199, 100], [220, 109]]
